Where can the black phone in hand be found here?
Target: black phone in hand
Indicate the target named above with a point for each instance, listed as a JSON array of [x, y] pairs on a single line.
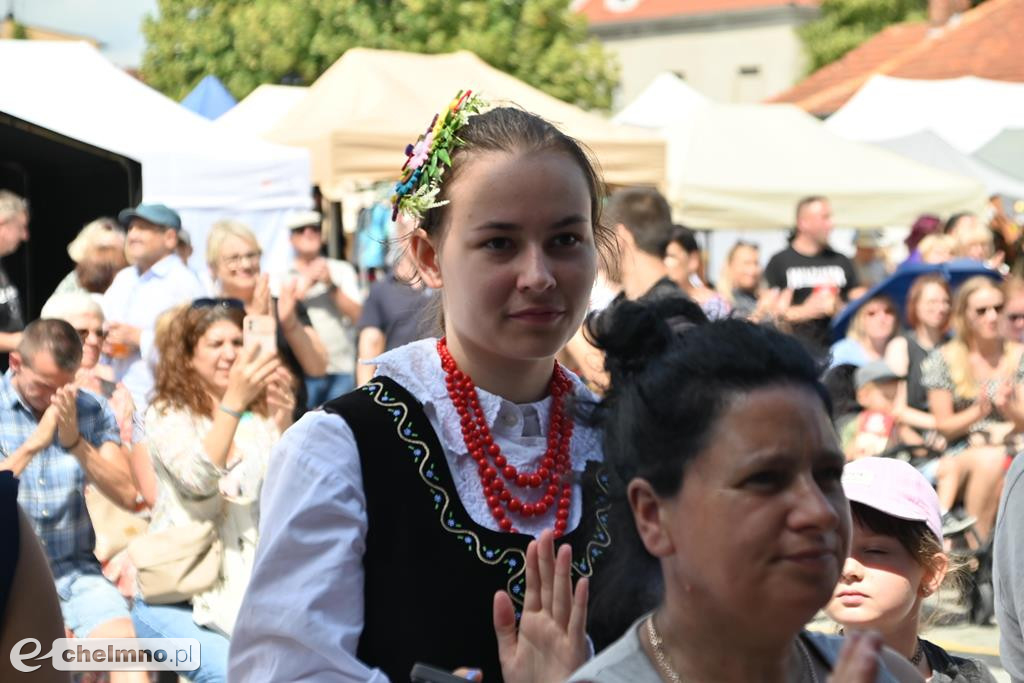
[[422, 673]]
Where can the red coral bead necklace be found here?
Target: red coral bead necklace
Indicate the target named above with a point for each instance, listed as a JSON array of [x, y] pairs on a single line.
[[497, 476]]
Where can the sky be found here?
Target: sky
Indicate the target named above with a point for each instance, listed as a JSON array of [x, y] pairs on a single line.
[[117, 24]]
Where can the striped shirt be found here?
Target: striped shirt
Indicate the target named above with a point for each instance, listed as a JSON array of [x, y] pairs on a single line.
[[52, 485]]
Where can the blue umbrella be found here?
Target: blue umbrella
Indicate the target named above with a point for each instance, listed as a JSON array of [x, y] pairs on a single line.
[[897, 286]]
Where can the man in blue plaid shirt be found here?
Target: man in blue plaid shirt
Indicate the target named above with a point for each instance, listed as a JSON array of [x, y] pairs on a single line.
[[54, 438]]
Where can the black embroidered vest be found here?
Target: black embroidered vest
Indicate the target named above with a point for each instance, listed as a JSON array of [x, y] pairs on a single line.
[[431, 571]]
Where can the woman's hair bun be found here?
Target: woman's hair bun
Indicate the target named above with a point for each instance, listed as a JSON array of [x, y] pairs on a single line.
[[632, 333]]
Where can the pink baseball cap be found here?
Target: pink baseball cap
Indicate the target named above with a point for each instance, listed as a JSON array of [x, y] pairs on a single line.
[[894, 487]]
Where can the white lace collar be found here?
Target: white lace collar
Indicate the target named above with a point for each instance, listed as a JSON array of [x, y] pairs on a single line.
[[417, 368]]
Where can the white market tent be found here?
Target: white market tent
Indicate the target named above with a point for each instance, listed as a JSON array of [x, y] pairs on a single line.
[[929, 149], [746, 166], [741, 167], [967, 112], [667, 99], [361, 113], [261, 109], [188, 163]]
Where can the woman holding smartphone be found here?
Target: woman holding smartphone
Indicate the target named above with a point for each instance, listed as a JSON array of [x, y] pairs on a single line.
[[217, 410]]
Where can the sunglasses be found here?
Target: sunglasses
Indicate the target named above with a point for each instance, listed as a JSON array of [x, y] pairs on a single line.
[[304, 228], [210, 302], [982, 310], [84, 333]]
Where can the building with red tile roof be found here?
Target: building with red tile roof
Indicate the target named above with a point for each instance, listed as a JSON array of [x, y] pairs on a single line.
[[984, 42]]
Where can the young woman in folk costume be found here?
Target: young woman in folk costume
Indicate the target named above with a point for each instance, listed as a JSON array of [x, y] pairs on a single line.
[[391, 517]]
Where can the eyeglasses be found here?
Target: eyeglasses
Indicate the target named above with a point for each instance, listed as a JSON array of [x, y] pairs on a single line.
[[301, 229], [84, 333], [982, 310], [236, 259], [210, 302]]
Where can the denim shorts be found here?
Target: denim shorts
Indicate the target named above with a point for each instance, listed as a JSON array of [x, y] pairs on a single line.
[[88, 600]]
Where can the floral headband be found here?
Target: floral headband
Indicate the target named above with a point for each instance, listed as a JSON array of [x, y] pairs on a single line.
[[417, 189]]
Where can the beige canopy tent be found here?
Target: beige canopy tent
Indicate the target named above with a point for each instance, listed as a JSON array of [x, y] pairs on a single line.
[[360, 114], [745, 166]]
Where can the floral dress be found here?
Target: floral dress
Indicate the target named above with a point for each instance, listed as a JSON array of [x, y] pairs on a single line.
[[935, 374]]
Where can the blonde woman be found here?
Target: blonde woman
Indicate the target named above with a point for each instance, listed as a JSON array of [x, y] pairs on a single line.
[[937, 249], [973, 393], [872, 328], [233, 255]]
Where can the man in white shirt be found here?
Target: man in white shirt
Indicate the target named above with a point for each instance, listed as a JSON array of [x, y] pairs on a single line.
[[156, 281]]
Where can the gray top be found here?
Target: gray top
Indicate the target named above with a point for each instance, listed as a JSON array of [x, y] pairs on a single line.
[[624, 661], [1009, 579]]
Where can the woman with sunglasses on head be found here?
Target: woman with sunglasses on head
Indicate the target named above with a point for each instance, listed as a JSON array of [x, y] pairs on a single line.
[[233, 255], [217, 410], [393, 516], [973, 392]]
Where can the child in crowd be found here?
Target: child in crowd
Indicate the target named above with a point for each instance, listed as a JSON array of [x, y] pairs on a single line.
[[896, 561], [876, 428]]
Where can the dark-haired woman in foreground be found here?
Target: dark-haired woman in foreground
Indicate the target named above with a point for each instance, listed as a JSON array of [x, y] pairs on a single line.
[[726, 478]]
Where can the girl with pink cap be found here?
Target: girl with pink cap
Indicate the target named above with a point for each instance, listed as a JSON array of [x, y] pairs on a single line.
[[896, 561]]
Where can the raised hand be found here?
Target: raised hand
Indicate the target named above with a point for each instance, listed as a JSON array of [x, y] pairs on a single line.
[[286, 303], [261, 297], [250, 374], [42, 436], [551, 641], [64, 400], [281, 398], [858, 660]]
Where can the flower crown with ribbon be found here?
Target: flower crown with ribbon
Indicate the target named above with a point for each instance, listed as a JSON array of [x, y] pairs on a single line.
[[417, 189]]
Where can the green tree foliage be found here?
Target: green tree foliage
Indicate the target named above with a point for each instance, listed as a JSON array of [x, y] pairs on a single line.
[[845, 24], [249, 42]]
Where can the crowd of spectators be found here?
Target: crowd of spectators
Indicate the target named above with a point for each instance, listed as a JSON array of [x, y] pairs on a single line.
[[135, 408]]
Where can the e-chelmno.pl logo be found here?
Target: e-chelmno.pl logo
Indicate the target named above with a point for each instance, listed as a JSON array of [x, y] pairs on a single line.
[[110, 654]]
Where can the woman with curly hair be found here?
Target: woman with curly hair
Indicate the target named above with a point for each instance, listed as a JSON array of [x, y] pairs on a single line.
[[217, 410]]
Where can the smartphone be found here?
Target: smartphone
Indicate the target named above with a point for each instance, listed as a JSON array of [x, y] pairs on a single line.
[[261, 331], [421, 673]]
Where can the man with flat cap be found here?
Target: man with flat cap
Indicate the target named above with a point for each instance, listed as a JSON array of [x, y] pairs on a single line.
[[155, 281]]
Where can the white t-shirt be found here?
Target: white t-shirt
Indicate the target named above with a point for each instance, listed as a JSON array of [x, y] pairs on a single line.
[[337, 332]]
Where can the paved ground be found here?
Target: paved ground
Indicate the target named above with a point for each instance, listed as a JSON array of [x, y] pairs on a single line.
[[952, 632]]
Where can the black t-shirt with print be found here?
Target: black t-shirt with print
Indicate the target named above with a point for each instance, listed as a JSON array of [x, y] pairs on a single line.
[[789, 269]]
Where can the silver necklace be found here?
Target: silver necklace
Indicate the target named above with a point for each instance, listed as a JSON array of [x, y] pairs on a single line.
[[665, 666]]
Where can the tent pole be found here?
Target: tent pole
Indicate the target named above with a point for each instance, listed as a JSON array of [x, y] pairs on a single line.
[[336, 237]]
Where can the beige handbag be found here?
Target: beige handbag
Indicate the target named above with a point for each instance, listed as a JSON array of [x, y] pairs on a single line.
[[175, 564], [115, 527]]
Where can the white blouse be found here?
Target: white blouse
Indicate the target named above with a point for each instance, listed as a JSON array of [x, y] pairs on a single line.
[[192, 488], [303, 613]]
